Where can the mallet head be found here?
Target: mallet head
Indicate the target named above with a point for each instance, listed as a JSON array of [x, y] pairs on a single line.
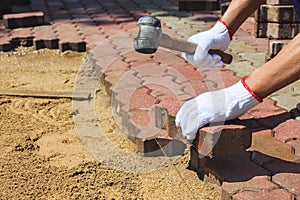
[[148, 35]]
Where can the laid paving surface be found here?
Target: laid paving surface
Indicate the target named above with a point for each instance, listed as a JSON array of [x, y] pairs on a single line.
[[138, 83]]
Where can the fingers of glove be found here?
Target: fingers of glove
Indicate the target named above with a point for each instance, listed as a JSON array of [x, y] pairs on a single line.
[[191, 125], [217, 60], [188, 107]]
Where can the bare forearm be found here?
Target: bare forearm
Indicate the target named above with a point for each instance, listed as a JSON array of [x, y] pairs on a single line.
[[238, 12], [279, 72]]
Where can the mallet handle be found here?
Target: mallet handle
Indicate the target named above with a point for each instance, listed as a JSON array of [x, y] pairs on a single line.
[[189, 47]]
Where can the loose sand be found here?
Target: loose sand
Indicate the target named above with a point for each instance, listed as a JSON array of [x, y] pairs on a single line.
[[42, 156]]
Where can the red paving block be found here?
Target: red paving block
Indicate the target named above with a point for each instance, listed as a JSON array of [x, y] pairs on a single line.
[[151, 69], [69, 38], [45, 37], [117, 65], [141, 118], [141, 99], [289, 181], [275, 148], [21, 20], [224, 78], [296, 146], [217, 140], [257, 183], [279, 194], [195, 88], [288, 130], [5, 44], [184, 73], [165, 81], [167, 57], [22, 36], [172, 106]]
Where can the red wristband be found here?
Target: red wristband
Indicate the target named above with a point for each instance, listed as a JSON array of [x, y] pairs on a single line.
[[250, 91], [227, 27]]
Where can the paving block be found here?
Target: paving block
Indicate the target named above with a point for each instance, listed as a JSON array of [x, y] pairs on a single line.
[[216, 140], [256, 183], [278, 194], [45, 37], [5, 44], [197, 5], [69, 38], [276, 30], [22, 37], [275, 148], [296, 146], [275, 46], [288, 130], [278, 14], [21, 20], [290, 181]]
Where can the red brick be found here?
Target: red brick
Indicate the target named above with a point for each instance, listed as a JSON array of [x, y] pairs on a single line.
[[5, 44], [22, 36], [296, 146], [167, 57], [141, 100], [151, 69], [21, 20], [197, 5], [266, 109], [171, 105], [184, 73], [221, 139], [275, 148], [45, 37], [165, 81], [73, 45], [289, 181], [279, 194], [195, 88], [141, 117], [254, 184], [287, 130], [117, 65]]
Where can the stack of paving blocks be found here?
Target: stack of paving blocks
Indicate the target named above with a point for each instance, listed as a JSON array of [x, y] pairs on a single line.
[[30, 29], [277, 21]]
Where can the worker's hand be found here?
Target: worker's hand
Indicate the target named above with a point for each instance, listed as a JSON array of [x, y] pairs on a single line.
[[216, 38], [216, 106]]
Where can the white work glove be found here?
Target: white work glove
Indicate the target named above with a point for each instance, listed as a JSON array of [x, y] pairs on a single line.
[[216, 38], [216, 106]]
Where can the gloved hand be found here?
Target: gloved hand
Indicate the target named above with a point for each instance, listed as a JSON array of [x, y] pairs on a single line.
[[216, 106], [217, 38]]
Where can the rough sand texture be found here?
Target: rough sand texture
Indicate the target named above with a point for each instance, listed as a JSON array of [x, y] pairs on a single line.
[[42, 155]]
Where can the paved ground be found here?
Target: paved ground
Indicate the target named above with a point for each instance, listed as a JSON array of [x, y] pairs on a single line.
[[136, 82]]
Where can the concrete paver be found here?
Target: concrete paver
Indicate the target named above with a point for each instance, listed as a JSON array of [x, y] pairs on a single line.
[[136, 82]]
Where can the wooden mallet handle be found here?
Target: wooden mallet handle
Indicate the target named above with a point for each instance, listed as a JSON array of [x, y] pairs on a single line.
[[189, 47]]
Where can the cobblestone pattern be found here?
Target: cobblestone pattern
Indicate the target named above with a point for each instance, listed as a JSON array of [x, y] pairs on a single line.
[[269, 169]]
